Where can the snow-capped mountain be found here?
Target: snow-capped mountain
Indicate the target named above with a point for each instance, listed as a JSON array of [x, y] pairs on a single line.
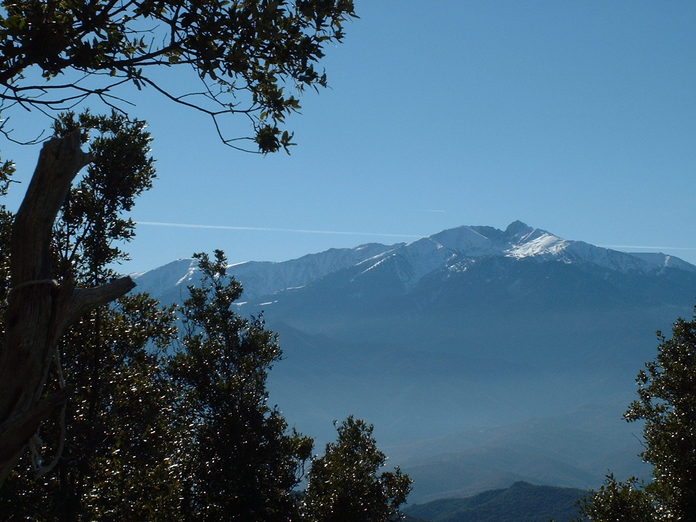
[[451, 249], [467, 328], [169, 282]]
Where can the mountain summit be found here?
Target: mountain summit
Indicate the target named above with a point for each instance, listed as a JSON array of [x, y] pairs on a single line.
[[512, 353], [452, 249]]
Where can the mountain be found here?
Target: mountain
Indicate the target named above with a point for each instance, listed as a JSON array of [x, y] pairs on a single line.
[[169, 282], [449, 248], [476, 352], [521, 502]]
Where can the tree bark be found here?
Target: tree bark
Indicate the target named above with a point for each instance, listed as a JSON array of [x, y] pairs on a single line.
[[40, 309]]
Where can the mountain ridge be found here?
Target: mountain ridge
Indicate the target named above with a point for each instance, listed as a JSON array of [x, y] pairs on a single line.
[[521, 502], [449, 248], [467, 329]]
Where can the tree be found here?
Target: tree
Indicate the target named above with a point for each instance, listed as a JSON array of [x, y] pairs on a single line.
[[344, 485], [240, 462], [667, 403], [118, 440], [107, 454], [244, 54], [40, 308], [619, 501], [241, 53]]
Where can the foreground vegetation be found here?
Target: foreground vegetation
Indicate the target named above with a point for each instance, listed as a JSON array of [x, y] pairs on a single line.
[[169, 425], [106, 410], [244, 58], [667, 404], [109, 411]]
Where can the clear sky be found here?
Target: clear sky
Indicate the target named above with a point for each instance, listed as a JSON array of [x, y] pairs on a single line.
[[578, 117]]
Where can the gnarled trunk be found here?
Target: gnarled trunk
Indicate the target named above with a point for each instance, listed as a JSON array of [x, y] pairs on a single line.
[[40, 309]]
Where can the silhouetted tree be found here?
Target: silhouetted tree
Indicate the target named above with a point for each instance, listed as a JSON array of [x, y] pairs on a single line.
[[106, 453], [248, 58], [240, 462], [345, 486], [667, 403]]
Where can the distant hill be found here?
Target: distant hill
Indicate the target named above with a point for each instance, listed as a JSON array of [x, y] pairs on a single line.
[[570, 450], [483, 356], [521, 502]]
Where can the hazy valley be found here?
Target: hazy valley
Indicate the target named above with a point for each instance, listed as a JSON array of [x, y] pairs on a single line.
[[483, 356]]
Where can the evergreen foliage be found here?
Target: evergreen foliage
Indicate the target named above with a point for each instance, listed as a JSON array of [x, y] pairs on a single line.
[[620, 500], [243, 55], [116, 461], [159, 430], [241, 463], [344, 484], [111, 440], [144, 434], [667, 403], [248, 58]]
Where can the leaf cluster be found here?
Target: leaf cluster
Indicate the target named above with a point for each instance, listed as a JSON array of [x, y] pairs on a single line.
[[91, 225], [243, 464], [244, 53], [667, 404], [112, 441], [169, 424], [345, 484], [620, 501]]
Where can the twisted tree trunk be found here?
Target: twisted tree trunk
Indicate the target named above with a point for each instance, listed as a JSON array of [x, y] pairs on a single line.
[[40, 309]]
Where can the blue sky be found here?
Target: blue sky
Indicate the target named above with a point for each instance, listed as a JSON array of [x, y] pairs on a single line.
[[575, 117]]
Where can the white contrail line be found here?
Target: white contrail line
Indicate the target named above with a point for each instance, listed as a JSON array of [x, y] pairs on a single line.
[[273, 229], [346, 233], [644, 247]]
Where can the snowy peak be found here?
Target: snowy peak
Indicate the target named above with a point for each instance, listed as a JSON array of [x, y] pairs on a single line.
[[446, 250], [517, 240], [537, 243], [169, 281], [455, 247], [517, 230]]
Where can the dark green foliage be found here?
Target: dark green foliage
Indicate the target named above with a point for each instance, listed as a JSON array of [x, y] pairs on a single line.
[[135, 442], [116, 445], [245, 56], [620, 501], [116, 461], [344, 484], [521, 502], [91, 220], [7, 169], [239, 463], [667, 404]]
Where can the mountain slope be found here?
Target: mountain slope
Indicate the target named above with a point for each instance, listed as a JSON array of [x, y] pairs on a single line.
[[449, 249], [521, 502], [474, 329], [259, 277]]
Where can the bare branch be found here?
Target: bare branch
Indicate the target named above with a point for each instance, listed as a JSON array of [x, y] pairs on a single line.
[[85, 299]]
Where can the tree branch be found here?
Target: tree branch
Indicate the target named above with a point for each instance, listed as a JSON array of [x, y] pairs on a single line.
[[37, 312], [85, 299]]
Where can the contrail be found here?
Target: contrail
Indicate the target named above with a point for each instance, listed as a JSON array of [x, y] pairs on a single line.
[[347, 233], [273, 229]]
